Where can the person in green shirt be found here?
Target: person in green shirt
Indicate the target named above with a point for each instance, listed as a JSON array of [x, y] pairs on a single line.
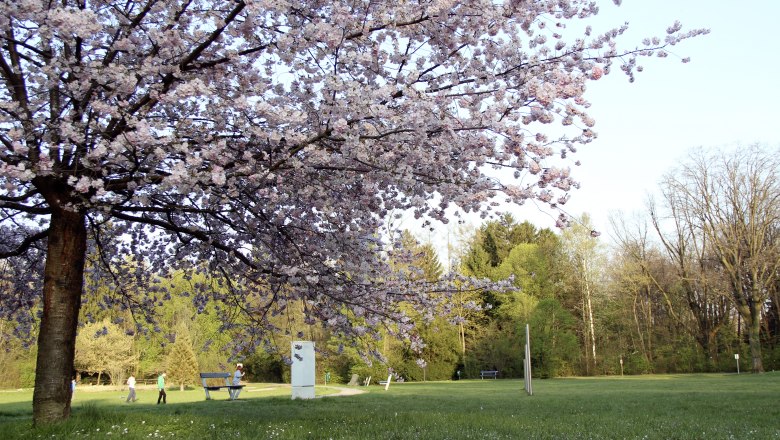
[[161, 387]]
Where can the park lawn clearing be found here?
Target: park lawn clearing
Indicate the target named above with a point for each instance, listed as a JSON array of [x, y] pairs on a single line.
[[712, 406]]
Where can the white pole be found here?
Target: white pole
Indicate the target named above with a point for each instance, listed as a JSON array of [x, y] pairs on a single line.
[[525, 367], [736, 356], [528, 387]]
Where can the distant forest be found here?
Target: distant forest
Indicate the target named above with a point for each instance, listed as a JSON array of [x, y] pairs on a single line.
[[692, 287]]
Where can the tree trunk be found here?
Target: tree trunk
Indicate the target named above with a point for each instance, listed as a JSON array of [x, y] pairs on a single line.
[[639, 329], [754, 336], [62, 288], [587, 314], [592, 326], [462, 337], [586, 336]]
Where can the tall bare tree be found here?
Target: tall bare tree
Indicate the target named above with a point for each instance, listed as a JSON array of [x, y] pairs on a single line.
[[698, 269], [733, 200]]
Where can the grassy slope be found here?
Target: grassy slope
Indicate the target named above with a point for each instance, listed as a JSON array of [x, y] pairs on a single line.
[[656, 407]]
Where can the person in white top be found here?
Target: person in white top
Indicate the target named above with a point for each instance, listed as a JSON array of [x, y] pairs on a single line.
[[237, 376], [131, 388]]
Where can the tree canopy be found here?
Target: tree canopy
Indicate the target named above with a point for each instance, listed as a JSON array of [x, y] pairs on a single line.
[[102, 347]]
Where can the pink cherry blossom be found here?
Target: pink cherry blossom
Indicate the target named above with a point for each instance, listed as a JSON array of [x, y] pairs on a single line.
[[596, 73]]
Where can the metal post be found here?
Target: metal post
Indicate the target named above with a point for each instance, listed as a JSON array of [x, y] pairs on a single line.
[[527, 364]]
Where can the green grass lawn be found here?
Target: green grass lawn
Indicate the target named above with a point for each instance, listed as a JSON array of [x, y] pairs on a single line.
[[710, 406]]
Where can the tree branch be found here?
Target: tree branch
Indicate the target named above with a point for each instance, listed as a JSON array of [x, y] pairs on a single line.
[[26, 244]]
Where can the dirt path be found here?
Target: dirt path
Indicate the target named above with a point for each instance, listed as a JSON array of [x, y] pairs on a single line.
[[343, 392]]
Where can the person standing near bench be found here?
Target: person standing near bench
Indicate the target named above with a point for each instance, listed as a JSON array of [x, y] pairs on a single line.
[[237, 376], [161, 387], [131, 389]]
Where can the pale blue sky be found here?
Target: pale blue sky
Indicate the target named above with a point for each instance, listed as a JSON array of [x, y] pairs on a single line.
[[728, 95]]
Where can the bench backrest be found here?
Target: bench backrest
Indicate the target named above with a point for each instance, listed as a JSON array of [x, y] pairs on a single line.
[[204, 376], [214, 375]]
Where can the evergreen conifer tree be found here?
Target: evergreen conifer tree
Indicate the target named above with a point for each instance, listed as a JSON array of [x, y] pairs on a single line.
[[182, 363]]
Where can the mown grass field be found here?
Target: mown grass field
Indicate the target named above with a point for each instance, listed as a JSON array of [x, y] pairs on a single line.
[[709, 406]]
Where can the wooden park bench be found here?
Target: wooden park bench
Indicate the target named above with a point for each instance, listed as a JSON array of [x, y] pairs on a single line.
[[488, 373], [232, 389]]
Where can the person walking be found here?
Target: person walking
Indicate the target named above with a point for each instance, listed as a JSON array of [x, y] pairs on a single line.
[[161, 387], [131, 389]]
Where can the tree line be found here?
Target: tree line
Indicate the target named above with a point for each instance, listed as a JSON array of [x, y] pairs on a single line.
[[687, 285], [684, 288]]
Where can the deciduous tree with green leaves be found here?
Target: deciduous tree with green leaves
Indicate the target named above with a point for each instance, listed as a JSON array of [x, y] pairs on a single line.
[[104, 347], [554, 345], [587, 261]]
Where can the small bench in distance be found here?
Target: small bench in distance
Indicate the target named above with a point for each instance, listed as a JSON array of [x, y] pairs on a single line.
[[488, 373]]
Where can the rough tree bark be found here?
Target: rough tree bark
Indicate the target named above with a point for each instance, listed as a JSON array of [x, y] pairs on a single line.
[[757, 364], [751, 313], [64, 274]]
